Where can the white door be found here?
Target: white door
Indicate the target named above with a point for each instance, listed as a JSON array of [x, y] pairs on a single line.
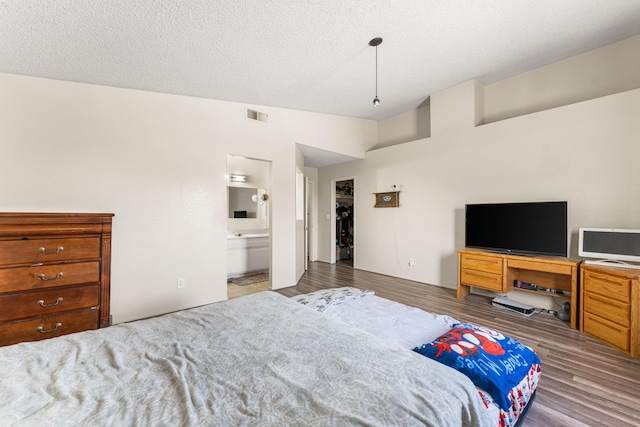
[[306, 223]]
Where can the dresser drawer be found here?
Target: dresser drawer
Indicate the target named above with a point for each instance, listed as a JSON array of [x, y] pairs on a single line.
[[534, 265], [14, 252], [32, 304], [608, 308], [48, 327], [609, 332], [479, 262], [610, 286], [481, 279], [48, 276]]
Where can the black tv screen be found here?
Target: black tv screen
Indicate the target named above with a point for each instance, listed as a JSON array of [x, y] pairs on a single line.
[[536, 228]]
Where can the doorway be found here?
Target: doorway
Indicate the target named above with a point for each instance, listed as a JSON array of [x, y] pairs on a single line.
[[345, 221], [248, 226]]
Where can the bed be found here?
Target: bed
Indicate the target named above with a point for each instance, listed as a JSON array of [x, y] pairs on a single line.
[[505, 372], [262, 359]]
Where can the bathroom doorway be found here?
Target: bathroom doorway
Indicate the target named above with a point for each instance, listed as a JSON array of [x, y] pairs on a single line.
[[248, 226]]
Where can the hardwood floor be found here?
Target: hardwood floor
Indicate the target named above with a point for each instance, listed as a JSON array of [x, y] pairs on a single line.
[[235, 291], [584, 382]]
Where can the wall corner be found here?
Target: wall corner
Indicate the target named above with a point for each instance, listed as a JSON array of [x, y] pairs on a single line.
[[457, 108]]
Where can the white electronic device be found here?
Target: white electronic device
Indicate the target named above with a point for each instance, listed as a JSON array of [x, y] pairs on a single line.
[[518, 307], [610, 246]]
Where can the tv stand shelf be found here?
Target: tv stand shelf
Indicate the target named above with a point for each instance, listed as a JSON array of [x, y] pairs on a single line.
[[496, 272]]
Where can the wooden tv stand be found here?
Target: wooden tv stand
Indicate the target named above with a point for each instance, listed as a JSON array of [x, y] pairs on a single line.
[[496, 272]]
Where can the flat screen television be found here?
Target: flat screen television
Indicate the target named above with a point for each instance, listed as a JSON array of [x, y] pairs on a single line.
[[533, 228]]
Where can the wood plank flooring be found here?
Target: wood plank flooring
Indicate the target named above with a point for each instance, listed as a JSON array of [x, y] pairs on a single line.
[[584, 382]]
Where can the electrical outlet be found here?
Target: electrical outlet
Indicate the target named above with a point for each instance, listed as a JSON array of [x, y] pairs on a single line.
[[412, 262], [181, 282]]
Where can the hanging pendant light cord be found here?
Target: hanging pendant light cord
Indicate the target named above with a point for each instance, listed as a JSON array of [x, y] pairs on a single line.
[[375, 42], [376, 71]]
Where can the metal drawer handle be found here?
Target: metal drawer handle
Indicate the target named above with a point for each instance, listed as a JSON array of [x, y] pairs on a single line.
[[42, 330], [43, 277], [42, 304], [44, 251]]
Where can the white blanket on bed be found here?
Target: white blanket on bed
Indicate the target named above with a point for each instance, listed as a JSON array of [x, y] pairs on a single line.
[[408, 327], [262, 360]]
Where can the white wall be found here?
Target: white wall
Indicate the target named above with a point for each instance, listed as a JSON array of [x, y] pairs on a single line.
[[458, 107], [585, 153], [549, 140], [601, 72], [158, 162], [412, 125]]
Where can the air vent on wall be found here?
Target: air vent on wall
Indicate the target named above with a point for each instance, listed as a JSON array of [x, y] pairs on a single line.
[[257, 115]]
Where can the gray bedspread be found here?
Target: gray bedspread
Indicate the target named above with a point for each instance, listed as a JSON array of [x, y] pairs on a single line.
[[261, 360]]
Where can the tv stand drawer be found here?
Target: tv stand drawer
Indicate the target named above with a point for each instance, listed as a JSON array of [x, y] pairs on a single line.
[[535, 265], [481, 262], [481, 279]]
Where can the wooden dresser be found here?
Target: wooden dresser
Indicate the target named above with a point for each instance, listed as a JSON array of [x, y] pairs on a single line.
[[610, 306], [54, 274]]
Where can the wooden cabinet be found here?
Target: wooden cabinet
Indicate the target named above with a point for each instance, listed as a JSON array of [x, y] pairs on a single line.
[[609, 306], [483, 270], [496, 272], [54, 274]]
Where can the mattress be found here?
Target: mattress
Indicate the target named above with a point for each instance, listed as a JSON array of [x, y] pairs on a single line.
[[410, 327], [406, 326], [261, 359]]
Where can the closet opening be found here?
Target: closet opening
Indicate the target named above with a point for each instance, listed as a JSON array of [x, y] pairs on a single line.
[[345, 225]]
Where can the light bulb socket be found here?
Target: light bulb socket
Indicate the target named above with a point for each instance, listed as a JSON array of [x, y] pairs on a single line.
[[376, 101]]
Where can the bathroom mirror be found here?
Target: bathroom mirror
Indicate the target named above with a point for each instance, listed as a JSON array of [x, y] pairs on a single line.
[[247, 202], [241, 204]]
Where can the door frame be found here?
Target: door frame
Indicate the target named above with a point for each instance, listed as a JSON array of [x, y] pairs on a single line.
[[267, 188], [354, 252]]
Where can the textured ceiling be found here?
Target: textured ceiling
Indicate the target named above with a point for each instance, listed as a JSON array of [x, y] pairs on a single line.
[[304, 55]]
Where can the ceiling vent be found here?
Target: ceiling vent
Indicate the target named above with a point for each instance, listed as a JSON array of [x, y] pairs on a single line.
[[257, 115]]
